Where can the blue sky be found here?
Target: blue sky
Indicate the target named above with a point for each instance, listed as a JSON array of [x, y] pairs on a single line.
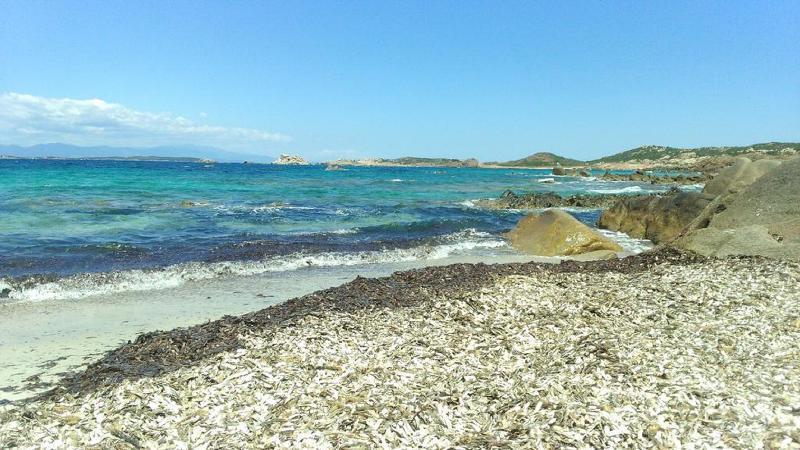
[[492, 80]]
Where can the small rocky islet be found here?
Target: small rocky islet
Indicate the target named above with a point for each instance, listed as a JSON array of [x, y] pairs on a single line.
[[693, 343]]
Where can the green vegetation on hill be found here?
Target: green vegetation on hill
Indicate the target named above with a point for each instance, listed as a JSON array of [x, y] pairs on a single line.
[[431, 162], [543, 159], [410, 160], [654, 152]]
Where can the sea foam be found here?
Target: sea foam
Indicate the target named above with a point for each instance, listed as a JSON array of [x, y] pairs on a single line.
[[90, 284]]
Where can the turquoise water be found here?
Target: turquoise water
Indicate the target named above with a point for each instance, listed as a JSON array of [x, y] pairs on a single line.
[[115, 222]]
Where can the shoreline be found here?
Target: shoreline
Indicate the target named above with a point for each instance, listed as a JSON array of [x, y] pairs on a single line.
[[44, 340], [461, 355], [158, 352]]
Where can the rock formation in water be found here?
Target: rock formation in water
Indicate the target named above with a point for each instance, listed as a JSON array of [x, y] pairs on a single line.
[[557, 233], [645, 177], [538, 200], [291, 160], [657, 218]]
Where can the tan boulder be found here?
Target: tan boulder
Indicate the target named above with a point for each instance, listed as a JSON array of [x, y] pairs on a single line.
[[760, 219], [751, 240], [739, 175], [556, 233]]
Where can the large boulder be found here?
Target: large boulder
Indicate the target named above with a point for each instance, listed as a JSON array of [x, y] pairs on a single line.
[[657, 218], [556, 233], [752, 240], [760, 219], [558, 170], [741, 174]]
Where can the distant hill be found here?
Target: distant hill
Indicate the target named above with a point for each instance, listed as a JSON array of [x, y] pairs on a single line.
[[543, 159], [655, 153], [171, 153], [409, 161], [414, 161]]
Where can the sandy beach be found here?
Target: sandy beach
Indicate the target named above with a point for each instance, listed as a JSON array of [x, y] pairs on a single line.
[[659, 349]]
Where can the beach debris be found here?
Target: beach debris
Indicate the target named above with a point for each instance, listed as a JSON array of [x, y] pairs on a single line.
[[658, 351]]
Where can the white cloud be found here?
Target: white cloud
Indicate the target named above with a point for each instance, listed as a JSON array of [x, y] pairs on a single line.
[[28, 119]]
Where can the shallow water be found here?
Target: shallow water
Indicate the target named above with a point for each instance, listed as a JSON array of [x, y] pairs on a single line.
[[75, 228]]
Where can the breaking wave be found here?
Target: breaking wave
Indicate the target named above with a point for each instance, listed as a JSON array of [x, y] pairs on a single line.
[[625, 190], [39, 288]]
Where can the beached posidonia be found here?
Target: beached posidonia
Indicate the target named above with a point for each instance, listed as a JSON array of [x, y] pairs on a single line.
[[646, 352]]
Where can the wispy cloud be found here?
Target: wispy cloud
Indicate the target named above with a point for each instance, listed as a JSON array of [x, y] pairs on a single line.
[[29, 119]]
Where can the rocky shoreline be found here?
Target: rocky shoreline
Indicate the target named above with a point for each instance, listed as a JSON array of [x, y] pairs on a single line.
[[539, 200], [642, 351]]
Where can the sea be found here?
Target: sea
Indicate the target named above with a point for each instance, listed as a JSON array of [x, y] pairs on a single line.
[[76, 228], [94, 253]]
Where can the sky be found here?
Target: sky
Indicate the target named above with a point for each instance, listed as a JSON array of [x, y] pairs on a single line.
[[340, 79]]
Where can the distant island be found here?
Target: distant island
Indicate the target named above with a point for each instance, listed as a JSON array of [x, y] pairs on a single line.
[[117, 158], [541, 159], [179, 153], [409, 161], [644, 157]]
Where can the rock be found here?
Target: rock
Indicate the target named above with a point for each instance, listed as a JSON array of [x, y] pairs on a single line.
[[657, 218], [654, 179], [291, 160], [751, 240], [558, 170], [738, 176], [557, 233], [584, 173], [471, 162], [538, 200], [332, 166], [772, 201], [760, 219]]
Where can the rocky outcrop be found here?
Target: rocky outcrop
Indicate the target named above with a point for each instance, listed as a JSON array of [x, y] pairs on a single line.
[[558, 170], [471, 162], [738, 176], [759, 218], [663, 219], [645, 177], [557, 233], [657, 218], [540, 200], [291, 160]]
